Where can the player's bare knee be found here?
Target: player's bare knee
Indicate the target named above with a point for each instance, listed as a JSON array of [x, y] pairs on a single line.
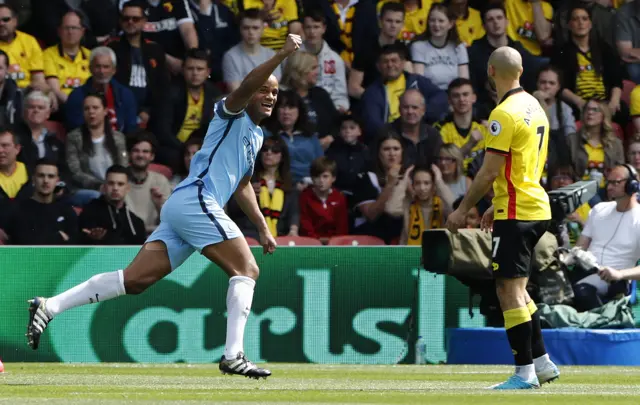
[[251, 270]]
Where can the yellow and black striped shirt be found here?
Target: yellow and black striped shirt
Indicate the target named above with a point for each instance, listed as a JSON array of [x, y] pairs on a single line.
[[450, 133], [346, 28], [589, 84]]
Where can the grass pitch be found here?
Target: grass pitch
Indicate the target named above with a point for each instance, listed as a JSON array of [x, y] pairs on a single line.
[[31, 383]]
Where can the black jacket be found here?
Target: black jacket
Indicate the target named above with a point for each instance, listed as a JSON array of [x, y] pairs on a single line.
[[7, 204], [177, 110], [350, 161], [34, 223], [123, 226], [426, 151], [54, 150], [10, 103]]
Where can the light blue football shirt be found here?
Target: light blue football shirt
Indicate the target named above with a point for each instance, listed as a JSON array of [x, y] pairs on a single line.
[[228, 153]]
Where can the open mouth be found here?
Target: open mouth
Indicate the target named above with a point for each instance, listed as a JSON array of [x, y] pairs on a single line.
[[267, 105]]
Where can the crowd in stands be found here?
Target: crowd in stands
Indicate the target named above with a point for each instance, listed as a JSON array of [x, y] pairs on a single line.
[[378, 129]]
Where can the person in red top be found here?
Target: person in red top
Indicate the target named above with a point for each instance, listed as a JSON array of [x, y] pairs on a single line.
[[323, 209]]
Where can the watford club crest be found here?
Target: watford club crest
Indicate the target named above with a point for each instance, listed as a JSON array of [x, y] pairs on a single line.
[[168, 6]]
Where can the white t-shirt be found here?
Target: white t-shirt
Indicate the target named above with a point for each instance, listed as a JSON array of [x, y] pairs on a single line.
[[440, 64], [615, 236]]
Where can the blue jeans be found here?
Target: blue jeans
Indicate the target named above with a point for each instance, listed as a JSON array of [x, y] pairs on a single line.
[[82, 197]]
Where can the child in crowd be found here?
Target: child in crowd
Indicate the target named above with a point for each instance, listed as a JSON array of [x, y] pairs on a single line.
[[473, 216], [323, 209]]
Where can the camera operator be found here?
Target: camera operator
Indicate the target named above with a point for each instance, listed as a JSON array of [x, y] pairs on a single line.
[[611, 235]]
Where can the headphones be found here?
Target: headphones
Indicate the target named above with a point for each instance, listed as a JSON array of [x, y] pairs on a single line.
[[632, 185]]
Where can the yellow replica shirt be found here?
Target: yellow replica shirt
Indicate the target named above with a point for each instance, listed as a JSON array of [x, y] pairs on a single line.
[[595, 157], [520, 28], [192, 118], [25, 58], [519, 130], [275, 31], [71, 73], [635, 101], [415, 21], [588, 83], [395, 89], [471, 28], [13, 183], [450, 133]]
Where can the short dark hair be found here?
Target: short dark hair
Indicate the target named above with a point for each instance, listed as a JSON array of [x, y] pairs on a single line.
[[316, 15], [10, 8], [492, 5], [46, 162], [423, 168], [250, 14], [458, 82], [391, 7], [6, 56], [141, 4], [400, 49], [77, 14], [12, 132], [142, 135], [321, 165], [117, 169], [197, 54], [349, 117]]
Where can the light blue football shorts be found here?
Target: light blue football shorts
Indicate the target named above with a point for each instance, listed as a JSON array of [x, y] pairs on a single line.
[[192, 219]]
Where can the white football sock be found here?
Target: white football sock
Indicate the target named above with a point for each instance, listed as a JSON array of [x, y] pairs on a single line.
[[527, 372], [541, 362], [101, 287], [239, 299]]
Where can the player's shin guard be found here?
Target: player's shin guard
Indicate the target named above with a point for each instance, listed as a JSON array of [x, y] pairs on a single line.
[[517, 322], [537, 342], [239, 299], [101, 287]]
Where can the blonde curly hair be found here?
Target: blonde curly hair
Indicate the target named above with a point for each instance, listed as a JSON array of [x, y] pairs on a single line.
[[297, 67]]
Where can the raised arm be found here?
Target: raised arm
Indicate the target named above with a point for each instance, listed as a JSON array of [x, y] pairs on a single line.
[[238, 99]]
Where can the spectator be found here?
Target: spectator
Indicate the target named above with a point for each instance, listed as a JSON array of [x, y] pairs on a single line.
[[461, 128], [421, 142], [191, 104], [375, 188], [107, 220], [363, 70], [628, 37], [560, 114], [635, 107], [451, 165], [590, 69], [323, 209], [36, 140], [149, 190], [438, 54], [241, 59], [415, 15], [332, 76], [351, 155], [633, 152], [473, 216], [120, 101], [301, 75], [289, 121], [468, 21], [41, 220], [10, 96], [530, 23], [170, 24], [494, 20], [274, 189], [595, 149], [24, 51], [381, 101], [427, 208], [189, 148], [350, 25], [15, 184], [66, 65], [142, 65], [280, 18], [563, 175], [218, 32], [611, 235], [603, 18], [93, 148]]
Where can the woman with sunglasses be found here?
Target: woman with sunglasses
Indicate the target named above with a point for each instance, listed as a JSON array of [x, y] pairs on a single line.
[[450, 163], [277, 198]]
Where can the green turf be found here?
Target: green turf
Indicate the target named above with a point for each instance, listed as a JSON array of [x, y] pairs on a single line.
[[31, 383]]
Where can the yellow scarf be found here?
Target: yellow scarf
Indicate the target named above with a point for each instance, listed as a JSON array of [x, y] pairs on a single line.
[[417, 225], [271, 205]]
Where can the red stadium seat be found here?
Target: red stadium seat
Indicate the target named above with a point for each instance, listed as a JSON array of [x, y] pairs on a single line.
[[162, 169], [297, 241], [355, 240], [57, 128], [252, 242], [627, 88]]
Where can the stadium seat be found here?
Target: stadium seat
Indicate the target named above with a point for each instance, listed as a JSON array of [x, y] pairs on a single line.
[[252, 242], [297, 241], [627, 88], [162, 169], [355, 240], [57, 128]]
